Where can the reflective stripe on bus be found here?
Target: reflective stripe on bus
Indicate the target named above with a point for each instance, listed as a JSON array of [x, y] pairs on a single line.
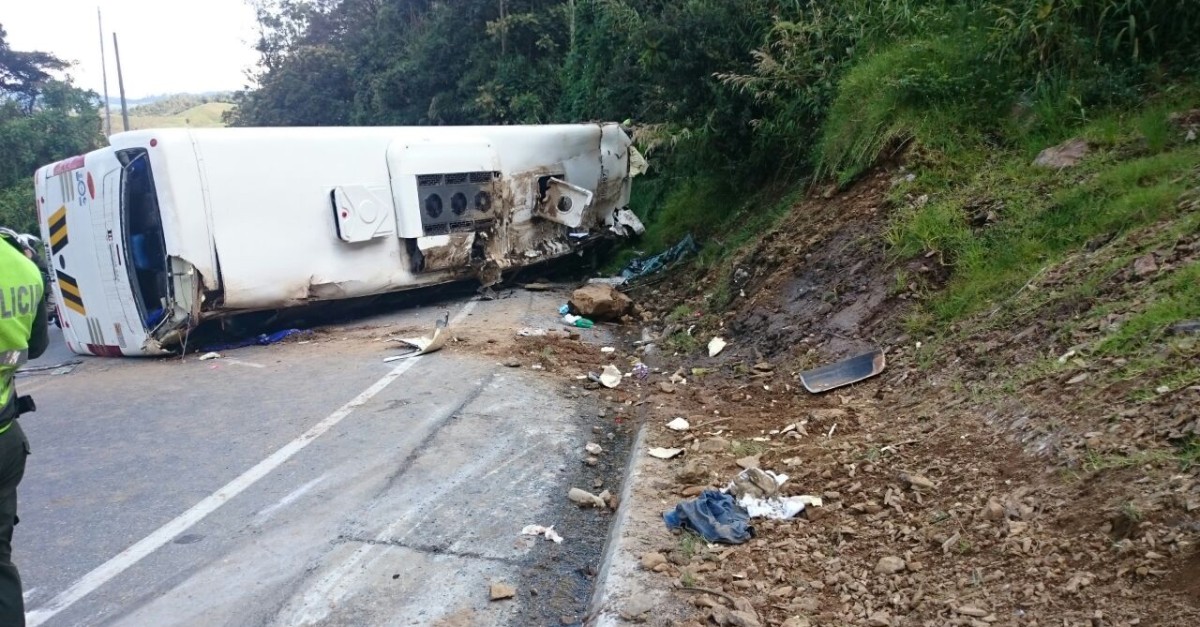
[[58, 229], [69, 288]]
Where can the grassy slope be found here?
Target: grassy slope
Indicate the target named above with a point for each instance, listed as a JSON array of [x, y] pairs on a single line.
[[205, 115]]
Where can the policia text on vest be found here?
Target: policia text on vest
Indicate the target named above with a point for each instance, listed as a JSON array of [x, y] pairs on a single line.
[[23, 334]]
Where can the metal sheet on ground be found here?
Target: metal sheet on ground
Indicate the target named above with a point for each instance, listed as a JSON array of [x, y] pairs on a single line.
[[844, 372]]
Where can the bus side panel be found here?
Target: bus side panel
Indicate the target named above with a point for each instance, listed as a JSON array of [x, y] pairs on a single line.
[[71, 199], [273, 220]]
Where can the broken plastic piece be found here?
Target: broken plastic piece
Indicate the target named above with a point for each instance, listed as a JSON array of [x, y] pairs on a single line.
[[611, 377], [715, 346], [548, 532], [844, 372], [427, 344], [211, 355]]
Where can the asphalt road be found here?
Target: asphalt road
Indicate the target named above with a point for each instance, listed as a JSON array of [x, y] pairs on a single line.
[[305, 484]]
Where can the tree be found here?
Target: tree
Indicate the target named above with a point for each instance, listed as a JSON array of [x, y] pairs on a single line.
[[42, 120]]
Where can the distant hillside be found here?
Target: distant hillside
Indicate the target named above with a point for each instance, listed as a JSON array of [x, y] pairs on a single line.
[[178, 103], [201, 115]]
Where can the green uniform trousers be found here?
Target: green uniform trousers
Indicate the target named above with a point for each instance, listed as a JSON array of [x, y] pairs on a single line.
[[14, 447]]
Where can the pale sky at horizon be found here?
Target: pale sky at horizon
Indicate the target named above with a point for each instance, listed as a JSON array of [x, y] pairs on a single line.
[[167, 46]]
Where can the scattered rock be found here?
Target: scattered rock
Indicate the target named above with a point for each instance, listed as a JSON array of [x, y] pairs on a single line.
[[880, 619], [679, 424], [637, 607], [993, 510], [739, 618], [1145, 265], [664, 453], [667, 388], [1065, 155], [919, 482], [651, 560], [748, 462], [512, 363], [599, 301], [889, 565], [501, 591], [796, 621], [583, 497], [593, 448], [715, 346]]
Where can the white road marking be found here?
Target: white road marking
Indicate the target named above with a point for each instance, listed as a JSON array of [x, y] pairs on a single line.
[[164, 534], [269, 511], [29, 593]]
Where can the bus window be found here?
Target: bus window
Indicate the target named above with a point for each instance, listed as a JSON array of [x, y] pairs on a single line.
[[145, 249]]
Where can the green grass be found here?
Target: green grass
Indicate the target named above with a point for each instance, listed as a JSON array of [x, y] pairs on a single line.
[[1177, 299], [1185, 456], [1045, 216], [206, 115]]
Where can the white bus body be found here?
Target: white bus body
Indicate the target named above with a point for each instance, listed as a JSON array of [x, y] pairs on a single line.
[[165, 229]]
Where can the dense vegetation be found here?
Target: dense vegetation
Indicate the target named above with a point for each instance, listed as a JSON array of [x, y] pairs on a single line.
[[727, 95], [41, 120]]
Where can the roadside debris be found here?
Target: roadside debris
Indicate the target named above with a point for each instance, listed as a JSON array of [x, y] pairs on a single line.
[[611, 377], [640, 370], [715, 346], [427, 344], [500, 591], [264, 339], [664, 453], [599, 301], [572, 320], [593, 448], [679, 424], [844, 372], [538, 286], [210, 355], [714, 515], [645, 266], [585, 498], [547, 532]]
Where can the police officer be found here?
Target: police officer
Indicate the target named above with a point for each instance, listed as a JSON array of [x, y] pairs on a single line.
[[23, 334]]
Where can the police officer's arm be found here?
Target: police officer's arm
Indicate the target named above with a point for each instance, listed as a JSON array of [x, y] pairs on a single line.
[[39, 337]]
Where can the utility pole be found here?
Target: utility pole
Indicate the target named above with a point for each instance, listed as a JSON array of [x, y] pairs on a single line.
[[503, 30], [104, 77], [121, 83]]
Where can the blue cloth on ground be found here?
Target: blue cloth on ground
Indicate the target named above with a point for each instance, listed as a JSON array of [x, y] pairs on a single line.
[[261, 340], [714, 515]]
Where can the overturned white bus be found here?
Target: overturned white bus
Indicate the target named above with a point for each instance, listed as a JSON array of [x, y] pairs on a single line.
[[166, 229]]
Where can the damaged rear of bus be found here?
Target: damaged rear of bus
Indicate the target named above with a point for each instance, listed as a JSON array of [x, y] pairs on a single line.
[[169, 228]]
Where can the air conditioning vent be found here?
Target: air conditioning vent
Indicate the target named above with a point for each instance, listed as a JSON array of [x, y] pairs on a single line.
[[433, 206], [458, 203], [455, 201], [483, 202]]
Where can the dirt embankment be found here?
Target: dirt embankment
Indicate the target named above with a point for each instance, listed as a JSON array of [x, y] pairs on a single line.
[[983, 480]]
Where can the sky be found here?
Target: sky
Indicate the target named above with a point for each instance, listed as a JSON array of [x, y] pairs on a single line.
[[167, 46]]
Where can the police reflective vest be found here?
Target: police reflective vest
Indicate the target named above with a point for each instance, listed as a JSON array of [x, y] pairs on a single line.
[[21, 291]]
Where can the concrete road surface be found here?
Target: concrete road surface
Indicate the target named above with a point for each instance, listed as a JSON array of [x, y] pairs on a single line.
[[310, 484]]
